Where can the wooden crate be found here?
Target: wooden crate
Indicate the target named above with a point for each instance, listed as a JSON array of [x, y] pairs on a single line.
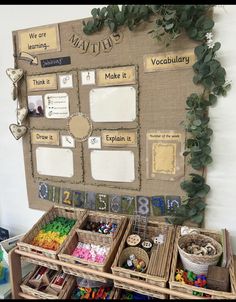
[[185, 288], [90, 237], [62, 294], [92, 216], [25, 243], [159, 279]]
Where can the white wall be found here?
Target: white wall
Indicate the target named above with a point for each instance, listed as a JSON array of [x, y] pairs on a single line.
[[14, 212]]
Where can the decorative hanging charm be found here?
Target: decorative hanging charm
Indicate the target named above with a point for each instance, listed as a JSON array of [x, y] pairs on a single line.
[[17, 130], [14, 93], [15, 74], [21, 114]]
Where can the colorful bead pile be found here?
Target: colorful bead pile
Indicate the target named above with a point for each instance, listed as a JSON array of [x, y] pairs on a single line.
[[102, 293], [188, 277], [53, 234], [91, 252], [101, 227], [135, 264]]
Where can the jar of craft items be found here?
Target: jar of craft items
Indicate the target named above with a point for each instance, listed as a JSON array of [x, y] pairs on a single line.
[[135, 264]]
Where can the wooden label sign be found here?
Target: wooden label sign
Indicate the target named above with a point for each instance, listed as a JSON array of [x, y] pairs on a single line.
[[42, 82], [164, 136], [38, 40], [45, 137], [169, 60], [119, 138], [116, 76]]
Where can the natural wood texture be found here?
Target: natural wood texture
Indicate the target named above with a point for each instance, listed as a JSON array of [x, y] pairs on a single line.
[[134, 283], [15, 272], [25, 296]]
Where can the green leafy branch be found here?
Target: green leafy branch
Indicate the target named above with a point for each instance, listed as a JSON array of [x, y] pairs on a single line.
[[193, 207], [170, 21]]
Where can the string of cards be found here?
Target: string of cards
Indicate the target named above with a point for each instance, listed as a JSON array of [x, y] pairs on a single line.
[[123, 204]]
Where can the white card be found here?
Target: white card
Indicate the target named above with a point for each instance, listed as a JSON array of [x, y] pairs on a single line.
[[88, 77], [94, 142], [56, 105], [112, 165], [66, 81], [67, 141], [54, 162], [113, 104]]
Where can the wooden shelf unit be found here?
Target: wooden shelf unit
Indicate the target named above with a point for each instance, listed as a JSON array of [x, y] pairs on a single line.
[[16, 278]]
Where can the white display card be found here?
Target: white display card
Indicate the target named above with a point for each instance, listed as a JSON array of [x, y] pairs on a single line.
[[56, 105], [66, 81], [88, 77], [113, 104], [54, 162], [112, 165]]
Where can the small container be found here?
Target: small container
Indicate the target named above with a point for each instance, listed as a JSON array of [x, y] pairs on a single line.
[[147, 245], [133, 240]]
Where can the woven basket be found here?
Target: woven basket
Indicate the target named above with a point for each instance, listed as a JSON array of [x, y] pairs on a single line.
[[198, 264], [139, 254], [102, 217]]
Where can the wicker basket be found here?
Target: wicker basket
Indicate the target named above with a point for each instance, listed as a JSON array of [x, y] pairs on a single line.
[[27, 289], [185, 288], [160, 275], [70, 290], [25, 243], [102, 217], [90, 237], [139, 254], [198, 263]]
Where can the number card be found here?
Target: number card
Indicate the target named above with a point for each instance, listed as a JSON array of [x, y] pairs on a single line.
[[143, 206], [158, 205], [90, 201], [67, 197], [43, 190], [53, 194], [102, 202], [115, 203], [128, 205], [172, 203], [78, 198]]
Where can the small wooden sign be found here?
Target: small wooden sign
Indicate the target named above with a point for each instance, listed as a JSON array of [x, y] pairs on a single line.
[[116, 76], [45, 137], [169, 60], [118, 138], [164, 136], [37, 40], [42, 82]]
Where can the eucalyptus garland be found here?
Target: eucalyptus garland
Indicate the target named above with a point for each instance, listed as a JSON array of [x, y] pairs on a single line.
[[170, 21]]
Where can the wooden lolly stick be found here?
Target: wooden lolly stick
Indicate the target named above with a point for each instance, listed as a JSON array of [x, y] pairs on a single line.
[[167, 244]]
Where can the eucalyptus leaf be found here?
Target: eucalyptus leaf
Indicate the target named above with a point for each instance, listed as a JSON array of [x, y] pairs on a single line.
[[197, 218]]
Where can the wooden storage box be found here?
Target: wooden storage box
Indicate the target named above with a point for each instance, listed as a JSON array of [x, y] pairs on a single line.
[[62, 293], [101, 217], [25, 243], [90, 237], [160, 276], [185, 288]]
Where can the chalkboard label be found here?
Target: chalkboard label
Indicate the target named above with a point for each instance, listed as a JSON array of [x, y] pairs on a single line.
[[55, 62]]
